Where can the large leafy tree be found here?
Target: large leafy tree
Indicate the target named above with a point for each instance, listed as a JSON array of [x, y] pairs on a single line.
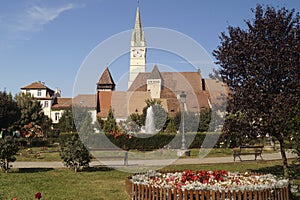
[[9, 110], [260, 64], [31, 110]]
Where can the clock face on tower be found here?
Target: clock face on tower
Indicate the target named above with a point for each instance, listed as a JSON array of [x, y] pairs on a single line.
[[137, 52]]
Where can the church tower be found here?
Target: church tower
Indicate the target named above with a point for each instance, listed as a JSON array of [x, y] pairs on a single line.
[[137, 50], [106, 82]]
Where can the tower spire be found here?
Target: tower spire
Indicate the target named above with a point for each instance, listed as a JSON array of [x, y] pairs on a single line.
[[137, 49], [137, 38]]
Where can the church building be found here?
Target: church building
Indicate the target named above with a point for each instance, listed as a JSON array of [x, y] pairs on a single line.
[[142, 85]]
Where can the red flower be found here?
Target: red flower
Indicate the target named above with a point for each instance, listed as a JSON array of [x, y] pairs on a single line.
[[38, 195], [203, 176]]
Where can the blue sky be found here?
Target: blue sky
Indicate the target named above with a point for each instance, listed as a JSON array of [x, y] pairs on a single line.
[[49, 40]]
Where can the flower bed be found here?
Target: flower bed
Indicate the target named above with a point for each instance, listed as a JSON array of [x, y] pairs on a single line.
[[192, 185]]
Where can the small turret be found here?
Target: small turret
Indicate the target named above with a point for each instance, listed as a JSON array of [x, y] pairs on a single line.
[[154, 83], [106, 82]]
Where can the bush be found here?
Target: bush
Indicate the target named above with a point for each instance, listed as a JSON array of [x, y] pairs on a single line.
[[74, 154], [8, 150]]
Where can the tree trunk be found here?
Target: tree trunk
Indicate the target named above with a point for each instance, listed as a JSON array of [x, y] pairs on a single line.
[[7, 166], [284, 159]]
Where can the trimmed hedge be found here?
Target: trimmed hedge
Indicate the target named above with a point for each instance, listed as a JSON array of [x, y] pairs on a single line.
[[143, 142]]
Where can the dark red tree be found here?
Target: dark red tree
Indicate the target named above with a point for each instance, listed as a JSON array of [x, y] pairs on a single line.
[[261, 66]]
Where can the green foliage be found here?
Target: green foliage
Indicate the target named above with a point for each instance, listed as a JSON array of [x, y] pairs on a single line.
[[149, 102], [129, 126], [31, 110], [110, 124], [171, 127], [204, 120], [8, 150], [100, 122], [160, 140], [66, 122], [84, 123], [32, 116], [87, 126], [136, 118], [160, 115], [194, 122], [46, 126], [260, 65], [74, 154], [9, 110], [191, 121]]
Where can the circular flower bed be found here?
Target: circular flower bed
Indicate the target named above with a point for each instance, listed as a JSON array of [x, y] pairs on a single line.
[[221, 181]]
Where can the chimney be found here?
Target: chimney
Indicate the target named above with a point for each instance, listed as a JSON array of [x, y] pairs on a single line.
[[57, 92]]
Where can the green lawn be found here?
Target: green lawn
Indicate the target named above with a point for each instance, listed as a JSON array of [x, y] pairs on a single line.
[[102, 183], [39, 154]]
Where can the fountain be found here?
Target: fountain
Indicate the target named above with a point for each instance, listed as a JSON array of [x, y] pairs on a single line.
[[149, 124]]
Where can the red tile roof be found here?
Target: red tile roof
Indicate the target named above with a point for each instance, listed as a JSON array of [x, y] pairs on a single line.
[[218, 91], [62, 103], [106, 78], [122, 103], [85, 100], [173, 84], [36, 85]]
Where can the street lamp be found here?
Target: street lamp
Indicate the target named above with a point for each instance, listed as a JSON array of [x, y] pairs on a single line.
[[182, 100]]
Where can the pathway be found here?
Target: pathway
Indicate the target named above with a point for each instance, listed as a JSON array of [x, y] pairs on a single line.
[[164, 162]]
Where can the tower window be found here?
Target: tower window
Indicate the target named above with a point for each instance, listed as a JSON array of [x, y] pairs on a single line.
[[203, 84]]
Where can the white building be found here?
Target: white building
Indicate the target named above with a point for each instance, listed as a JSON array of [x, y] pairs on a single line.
[[46, 96]]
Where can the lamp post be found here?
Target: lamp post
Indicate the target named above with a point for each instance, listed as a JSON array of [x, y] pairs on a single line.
[[183, 151], [182, 100]]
